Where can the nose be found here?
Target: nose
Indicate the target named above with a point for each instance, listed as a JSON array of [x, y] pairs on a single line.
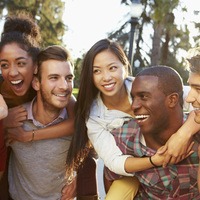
[[107, 76], [13, 70], [191, 97], [136, 104], [63, 84]]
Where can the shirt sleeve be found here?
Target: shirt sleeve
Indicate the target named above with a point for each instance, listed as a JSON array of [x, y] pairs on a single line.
[[105, 146]]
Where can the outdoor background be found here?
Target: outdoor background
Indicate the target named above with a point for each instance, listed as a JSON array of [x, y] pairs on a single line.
[[167, 29]]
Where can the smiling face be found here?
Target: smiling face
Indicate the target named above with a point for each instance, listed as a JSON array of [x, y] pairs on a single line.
[[108, 74], [149, 104], [194, 94], [17, 68], [55, 87]]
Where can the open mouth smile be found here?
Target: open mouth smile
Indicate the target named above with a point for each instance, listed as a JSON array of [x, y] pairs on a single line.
[[141, 118]]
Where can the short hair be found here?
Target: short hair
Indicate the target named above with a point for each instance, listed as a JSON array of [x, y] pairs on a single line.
[[169, 80], [193, 60], [54, 52]]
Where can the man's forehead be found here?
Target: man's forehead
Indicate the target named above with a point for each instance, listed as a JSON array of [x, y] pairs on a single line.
[[146, 79], [52, 66], [146, 82], [194, 78]]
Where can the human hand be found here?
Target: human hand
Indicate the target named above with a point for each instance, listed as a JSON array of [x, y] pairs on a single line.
[[177, 148], [15, 117], [3, 112], [17, 134], [158, 159], [69, 191], [3, 108]]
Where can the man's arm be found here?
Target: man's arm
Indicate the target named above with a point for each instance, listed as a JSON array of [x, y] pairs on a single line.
[[180, 143]]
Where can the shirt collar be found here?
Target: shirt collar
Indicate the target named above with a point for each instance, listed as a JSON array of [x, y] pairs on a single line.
[[29, 109]]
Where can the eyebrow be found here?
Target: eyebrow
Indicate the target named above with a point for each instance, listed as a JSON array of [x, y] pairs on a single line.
[[19, 58], [195, 85]]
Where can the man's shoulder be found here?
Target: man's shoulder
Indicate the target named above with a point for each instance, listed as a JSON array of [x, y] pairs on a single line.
[[129, 127]]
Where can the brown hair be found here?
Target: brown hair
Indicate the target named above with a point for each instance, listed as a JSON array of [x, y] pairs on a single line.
[[193, 60], [54, 52]]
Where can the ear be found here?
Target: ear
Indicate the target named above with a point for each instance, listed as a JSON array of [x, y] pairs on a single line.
[[35, 83], [173, 99], [35, 69]]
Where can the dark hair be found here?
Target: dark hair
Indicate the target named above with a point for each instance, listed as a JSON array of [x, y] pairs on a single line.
[[169, 81], [54, 52], [194, 60], [22, 30], [87, 93]]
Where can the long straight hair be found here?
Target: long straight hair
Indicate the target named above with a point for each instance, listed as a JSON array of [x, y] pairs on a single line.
[[80, 146]]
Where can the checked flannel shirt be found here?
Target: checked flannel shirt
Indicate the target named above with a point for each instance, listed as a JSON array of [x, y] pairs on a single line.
[[173, 182]]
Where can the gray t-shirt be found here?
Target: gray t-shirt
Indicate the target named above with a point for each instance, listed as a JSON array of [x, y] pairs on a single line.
[[37, 169]]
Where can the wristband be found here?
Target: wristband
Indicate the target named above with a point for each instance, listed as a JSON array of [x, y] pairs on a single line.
[[152, 162]]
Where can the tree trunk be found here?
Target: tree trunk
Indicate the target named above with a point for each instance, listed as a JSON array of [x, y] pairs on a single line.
[[156, 46]]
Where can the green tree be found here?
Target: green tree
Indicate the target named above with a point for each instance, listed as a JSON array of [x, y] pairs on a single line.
[[167, 38], [197, 25], [48, 15]]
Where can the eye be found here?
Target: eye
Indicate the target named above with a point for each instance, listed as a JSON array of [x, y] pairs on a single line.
[[96, 71], [4, 65], [113, 68], [53, 78], [69, 78], [197, 89], [21, 64], [144, 96]]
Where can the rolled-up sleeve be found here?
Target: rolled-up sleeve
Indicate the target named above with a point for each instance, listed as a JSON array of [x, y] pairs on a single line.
[[105, 146]]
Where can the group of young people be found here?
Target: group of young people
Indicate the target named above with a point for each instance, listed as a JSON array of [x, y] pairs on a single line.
[[104, 105], [135, 124]]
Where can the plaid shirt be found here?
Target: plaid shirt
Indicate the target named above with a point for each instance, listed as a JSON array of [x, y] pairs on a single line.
[[173, 182]]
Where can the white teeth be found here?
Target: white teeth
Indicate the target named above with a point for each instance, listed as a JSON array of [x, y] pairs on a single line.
[[16, 82], [109, 86], [141, 116], [60, 95]]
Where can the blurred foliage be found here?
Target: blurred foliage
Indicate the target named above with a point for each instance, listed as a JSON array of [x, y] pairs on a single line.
[[48, 15], [164, 44], [168, 39]]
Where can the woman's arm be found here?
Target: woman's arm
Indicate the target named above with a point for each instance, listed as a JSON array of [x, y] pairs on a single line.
[[106, 148], [64, 128], [15, 117], [134, 164], [3, 151]]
